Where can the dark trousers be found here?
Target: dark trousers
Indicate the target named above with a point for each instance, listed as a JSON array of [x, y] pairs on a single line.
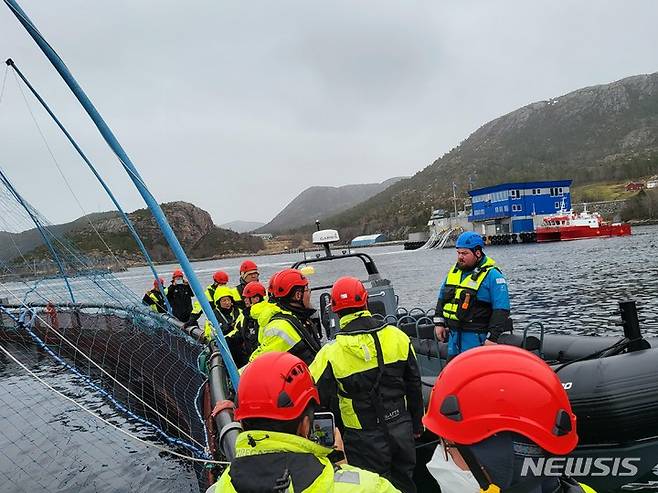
[[392, 456]]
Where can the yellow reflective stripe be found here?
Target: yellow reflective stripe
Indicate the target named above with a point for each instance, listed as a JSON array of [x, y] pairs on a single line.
[[454, 280], [274, 332], [342, 476], [278, 335], [587, 489], [239, 321]]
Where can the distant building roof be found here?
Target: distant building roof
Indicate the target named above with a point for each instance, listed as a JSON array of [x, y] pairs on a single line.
[[368, 239], [520, 185]]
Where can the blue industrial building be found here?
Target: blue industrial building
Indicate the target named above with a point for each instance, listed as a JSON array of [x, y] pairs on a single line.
[[516, 207]]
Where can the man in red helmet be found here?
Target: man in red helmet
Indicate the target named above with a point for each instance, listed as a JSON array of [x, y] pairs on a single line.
[[275, 403], [372, 369], [154, 299], [179, 295], [495, 408], [245, 328], [248, 273], [286, 322]]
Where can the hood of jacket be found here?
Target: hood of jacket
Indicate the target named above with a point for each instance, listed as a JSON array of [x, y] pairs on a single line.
[[355, 334]]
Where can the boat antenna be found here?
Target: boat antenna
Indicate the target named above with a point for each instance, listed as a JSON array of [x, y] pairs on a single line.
[[327, 249], [134, 175]]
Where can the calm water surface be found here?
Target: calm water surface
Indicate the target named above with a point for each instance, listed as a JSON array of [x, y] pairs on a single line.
[[569, 287]]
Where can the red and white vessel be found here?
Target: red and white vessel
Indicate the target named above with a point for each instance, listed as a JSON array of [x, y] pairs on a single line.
[[567, 225]]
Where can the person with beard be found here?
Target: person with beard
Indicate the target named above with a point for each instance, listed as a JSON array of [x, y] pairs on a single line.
[[245, 330], [473, 306], [371, 370], [179, 295], [494, 409], [285, 323]]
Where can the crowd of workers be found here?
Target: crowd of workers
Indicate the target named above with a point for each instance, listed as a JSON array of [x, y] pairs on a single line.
[[368, 377]]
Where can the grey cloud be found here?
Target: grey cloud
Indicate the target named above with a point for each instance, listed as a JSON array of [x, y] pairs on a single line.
[[220, 101]]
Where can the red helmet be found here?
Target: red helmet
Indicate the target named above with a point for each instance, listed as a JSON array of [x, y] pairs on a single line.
[[158, 282], [220, 277], [275, 385], [253, 288], [270, 285], [491, 389], [283, 282], [248, 266], [348, 292], [177, 273]]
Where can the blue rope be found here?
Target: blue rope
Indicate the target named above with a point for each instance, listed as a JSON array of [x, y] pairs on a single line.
[[124, 216], [134, 175], [107, 395], [39, 226]]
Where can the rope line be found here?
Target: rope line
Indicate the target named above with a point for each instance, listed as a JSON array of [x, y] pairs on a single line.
[[100, 418], [74, 347], [59, 169]]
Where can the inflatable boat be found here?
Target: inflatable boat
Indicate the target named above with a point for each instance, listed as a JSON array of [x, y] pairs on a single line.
[[612, 382]]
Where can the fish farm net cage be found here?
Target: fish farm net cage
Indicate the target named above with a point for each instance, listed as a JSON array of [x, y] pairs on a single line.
[[97, 392]]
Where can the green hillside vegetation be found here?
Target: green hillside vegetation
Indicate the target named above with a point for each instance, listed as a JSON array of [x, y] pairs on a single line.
[[644, 205], [318, 203], [193, 227], [597, 135], [597, 192]]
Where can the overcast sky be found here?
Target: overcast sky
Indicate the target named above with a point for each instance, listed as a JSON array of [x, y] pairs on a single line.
[[239, 106]]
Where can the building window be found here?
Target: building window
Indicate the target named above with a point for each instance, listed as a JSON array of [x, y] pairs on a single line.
[[556, 191], [516, 208], [515, 194], [557, 205]]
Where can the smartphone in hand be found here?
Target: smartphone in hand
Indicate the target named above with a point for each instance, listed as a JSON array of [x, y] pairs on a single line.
[[322, 429]]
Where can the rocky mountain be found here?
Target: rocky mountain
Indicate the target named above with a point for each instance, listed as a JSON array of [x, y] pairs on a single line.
[[321, 202], [242, 226], [594, 134], [193, 226], [12, 243]]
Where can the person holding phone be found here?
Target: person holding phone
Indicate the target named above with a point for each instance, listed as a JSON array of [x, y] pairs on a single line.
[[275, 404], [371, 368]]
